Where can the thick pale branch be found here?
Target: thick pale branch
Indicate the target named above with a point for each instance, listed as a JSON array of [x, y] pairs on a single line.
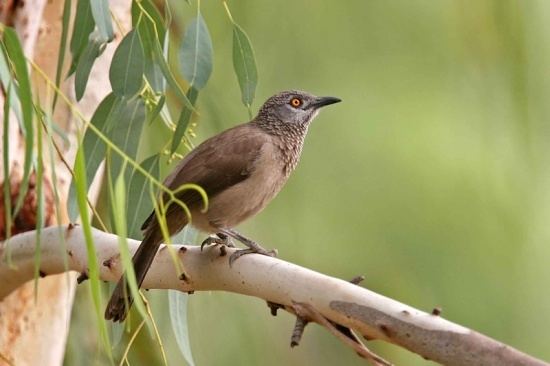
[[272, 279]]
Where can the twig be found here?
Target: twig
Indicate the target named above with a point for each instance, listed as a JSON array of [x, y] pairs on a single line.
[[306, 311]]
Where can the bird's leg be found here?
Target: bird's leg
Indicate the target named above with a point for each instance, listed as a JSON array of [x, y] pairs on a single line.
[[218, 239], [253, 247]]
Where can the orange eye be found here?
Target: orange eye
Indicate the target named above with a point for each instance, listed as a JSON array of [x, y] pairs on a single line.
[[296, 102]]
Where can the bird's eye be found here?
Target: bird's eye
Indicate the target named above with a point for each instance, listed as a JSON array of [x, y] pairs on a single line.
[[295, 102]]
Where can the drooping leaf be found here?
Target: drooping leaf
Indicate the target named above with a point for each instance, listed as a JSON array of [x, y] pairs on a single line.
[[126, 69], [93, 148], [152, 14], [7, 83], [139, 199], [118, 208], [93, 267], [62, 47], [163, 64], [152, 29], [102, 18], [125, 131], [6, 187], [183, 120], [15, 54], [86, 61], [154, 113], [196, 53], [82, 28], [177, 303], [244, 64], [39, 205]]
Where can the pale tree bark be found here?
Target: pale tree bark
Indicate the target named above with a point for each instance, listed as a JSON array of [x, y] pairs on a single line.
[[315, 296], [27, 318]]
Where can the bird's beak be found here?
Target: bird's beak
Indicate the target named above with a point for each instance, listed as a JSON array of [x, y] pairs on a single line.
[[324, 101]]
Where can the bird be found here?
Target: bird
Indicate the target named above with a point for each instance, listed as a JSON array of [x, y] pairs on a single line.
[[241, 170]]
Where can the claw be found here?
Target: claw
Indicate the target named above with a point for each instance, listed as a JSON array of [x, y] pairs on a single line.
[[218, 239], [239, 253]]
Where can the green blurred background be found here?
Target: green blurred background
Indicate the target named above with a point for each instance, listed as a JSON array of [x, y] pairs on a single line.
[[431, 178]]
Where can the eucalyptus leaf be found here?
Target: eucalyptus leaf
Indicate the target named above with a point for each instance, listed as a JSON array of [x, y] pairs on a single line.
[[82, 28], [15, 54], [152, 30], [177, 303], [93, 148], [125, 131], [126, 71], [244, 64], [139, 200], [196, 53], [102, 18], [160, 60], [93, 267], [84, 67], [183, 120], [67, 6]]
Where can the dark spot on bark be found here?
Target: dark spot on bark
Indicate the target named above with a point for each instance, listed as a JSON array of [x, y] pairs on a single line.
[[69, 253], [405, 312], [437, 311], [42, 273], [183, 277], [386, 330], [223, 251], [190, 292], [183, 249], [408, 335]]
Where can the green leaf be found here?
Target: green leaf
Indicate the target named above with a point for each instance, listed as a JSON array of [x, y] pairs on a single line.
[[6, 169], [93, 267], [118, 203], [7, 83], [126, 71], [244, 65], [82, 28], [93, 148], [163, 64], [102, 18], [139, 199], [152, 29], [15, 54], [39, 205], [124, 130], [196, 53], [154, 113], [177, 302], [63, 46], [183, 120], [84, 67], [153, 13]]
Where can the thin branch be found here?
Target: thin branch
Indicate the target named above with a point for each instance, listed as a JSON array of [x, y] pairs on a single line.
[[344, 304]]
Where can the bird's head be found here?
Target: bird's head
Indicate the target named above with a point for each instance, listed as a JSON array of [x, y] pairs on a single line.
[[294, 107]]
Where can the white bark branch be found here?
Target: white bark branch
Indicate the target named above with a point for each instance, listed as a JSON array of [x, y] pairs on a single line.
[[368, 313]]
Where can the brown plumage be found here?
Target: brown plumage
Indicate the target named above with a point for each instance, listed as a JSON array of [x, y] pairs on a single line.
[[241, 170]]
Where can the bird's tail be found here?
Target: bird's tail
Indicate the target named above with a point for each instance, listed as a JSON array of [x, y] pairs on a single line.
[[121, 299]]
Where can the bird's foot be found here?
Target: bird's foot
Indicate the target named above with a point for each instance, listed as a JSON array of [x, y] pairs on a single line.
[[259, 250], [218, 239]]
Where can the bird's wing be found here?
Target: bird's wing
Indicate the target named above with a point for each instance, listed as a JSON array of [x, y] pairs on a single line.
[[217, 164]]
